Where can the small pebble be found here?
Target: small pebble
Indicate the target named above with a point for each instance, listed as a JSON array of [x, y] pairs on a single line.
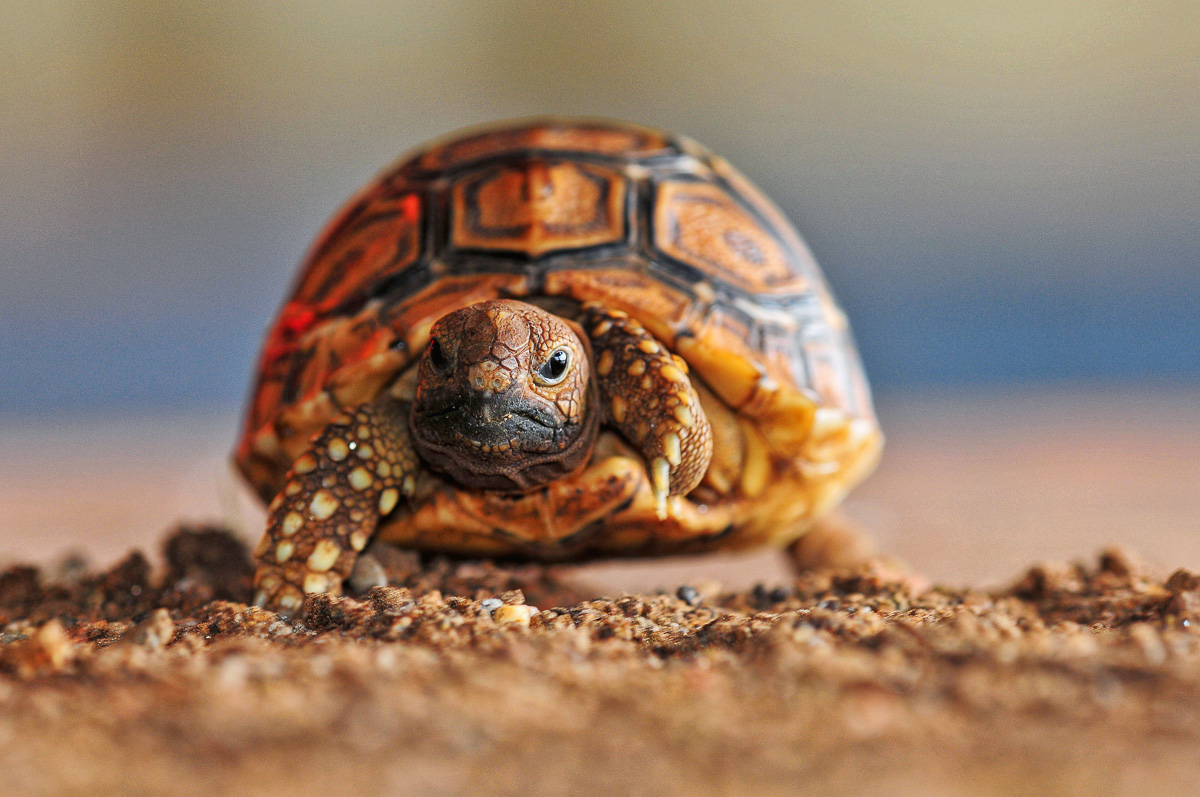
[[519, 614], [764, 597], [368, 572], [154, 632], [48, 649]]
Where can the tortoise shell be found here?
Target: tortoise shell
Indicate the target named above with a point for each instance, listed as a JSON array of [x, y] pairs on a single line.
[[578, 211]]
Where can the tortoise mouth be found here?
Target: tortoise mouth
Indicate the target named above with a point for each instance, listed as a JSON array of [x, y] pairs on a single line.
[[458, 417], [488, 426], [497, 442]]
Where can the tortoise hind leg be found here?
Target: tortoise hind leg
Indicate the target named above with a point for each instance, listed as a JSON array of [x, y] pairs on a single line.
[[352, 475], [649, 399]]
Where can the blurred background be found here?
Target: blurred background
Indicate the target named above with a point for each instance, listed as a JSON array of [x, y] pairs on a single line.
[[1005, 196]]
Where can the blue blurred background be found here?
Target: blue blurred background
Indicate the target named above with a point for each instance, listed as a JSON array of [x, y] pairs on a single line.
[[1002, 193]]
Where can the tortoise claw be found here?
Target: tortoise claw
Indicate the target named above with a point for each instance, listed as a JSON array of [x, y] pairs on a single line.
[[660, 478]]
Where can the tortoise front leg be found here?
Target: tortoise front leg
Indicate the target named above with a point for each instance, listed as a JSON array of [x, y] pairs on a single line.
[[352, 475], [648, 397]]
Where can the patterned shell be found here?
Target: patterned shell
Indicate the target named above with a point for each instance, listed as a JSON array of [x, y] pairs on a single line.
[[634, 218]]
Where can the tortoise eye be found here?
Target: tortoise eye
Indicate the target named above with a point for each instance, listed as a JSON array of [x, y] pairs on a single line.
[[555, 367], [437, 357]]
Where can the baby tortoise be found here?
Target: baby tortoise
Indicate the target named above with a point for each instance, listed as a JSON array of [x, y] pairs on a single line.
[[553, 339]]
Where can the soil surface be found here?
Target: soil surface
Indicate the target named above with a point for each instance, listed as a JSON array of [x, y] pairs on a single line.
[[149, 679]]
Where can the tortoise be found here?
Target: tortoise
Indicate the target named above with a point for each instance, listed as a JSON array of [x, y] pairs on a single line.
[[551, 339]]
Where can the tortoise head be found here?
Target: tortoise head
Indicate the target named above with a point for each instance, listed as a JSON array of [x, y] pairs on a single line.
[[504, 397]]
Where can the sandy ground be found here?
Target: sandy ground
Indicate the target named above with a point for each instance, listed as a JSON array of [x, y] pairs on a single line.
[[1074, 680], [151, 676]]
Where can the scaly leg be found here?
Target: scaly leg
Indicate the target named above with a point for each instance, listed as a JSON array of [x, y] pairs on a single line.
[[648, 397], [352, 475]]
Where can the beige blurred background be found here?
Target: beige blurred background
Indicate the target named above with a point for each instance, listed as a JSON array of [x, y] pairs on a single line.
[[1004, 195]]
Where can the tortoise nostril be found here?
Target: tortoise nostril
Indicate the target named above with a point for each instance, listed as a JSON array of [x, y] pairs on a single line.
[[437, 357]]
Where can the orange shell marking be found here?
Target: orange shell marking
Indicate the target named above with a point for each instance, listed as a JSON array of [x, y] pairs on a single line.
[[537, 207], [699, 224], [374, 241]]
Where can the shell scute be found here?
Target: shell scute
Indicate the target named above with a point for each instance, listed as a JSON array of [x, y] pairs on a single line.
[[662, 308], [537, 206], [701, 225], [378, 242]]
